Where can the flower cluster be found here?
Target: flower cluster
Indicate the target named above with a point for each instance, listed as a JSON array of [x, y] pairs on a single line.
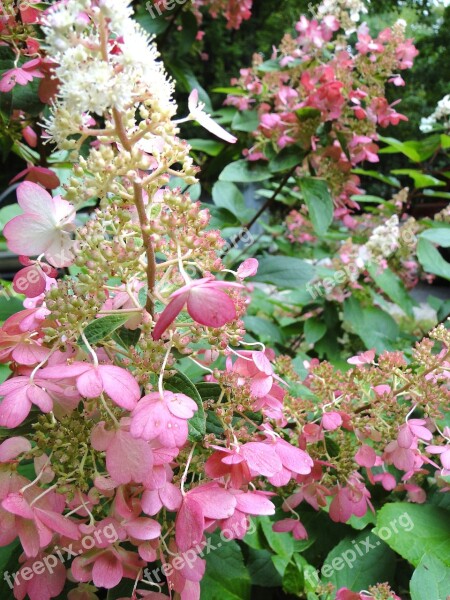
[[324, 100], [440, 118]]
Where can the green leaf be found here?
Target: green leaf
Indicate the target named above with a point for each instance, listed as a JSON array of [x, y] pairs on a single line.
[[421, 180], [319, 202], [431, 259], [280, 543], [286, 159], [188, 32], [242, 171], [315, 329], [362, 198], [227, 195], [261, 569], [376, 328], [266, 330], [384, 178], [103, 327], [415, 530], [294, 578], [431, 579], [307, 112], [417, 151], [226, 577], [393, 287], [246, 120], [358, 562], [9, 212], [10, 303], [211, 147], [439, 236], [126, 337], [9, 563], [180, 384], [286, 272]]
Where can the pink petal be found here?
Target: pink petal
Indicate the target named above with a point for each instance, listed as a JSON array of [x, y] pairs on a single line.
[[253, 503], [261, 385], [59, 251], [168, 315], [107, 571], [216, 502], [171, 496], [128, 459], [293, 458], [32, 198], [151, 502], [180, 405], [28, 535], [189, 524], [28, 234], [143, 528], [65, 371], [40, 397], [210, 307], [248, 268], [14, 409], [16, 504], [90, 383], [121, 386], [13, 447], [284, 526], [47, 585], [58, 523], [261, 458]]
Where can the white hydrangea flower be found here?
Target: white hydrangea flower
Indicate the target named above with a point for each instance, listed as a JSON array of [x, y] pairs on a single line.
[[441, 116], [384, 239]]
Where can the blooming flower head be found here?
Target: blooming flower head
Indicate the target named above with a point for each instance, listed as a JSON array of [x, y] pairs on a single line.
[[205, 302]]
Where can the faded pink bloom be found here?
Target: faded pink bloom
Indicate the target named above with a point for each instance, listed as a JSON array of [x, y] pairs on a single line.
[[353, 499], [92, 381], [411, 430], [164, 419], [331, 420], [247, 503], [363, 358], [444, 451], [46, 177], [197, 113], [36, 523], [248, 268], [44, 228], [127, 458], [207, 501], [19, 394], [366, 456], [294, 525], [42, 585], [34, 279], [106, 567], [205, 302], [21, 75]]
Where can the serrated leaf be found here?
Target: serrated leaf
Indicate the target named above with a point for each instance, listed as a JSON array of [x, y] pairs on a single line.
[[102, 327], [126, 337], [180, 383], [421, 529]]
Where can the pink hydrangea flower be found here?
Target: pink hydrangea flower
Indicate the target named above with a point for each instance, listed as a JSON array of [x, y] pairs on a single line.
[[205, 302], [44, 228], [164, 419], [294, 525], [91, 381], [42, 585], [127, 458], [205, 502], [21, 75]]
